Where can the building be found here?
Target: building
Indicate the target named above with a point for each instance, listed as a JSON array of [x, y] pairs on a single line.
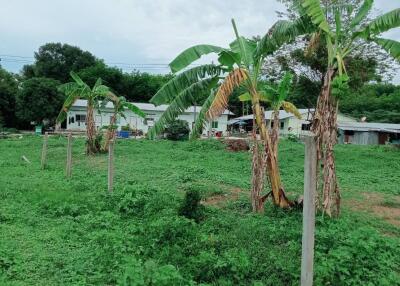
[[366, 133], [288, 123], [76, 117]]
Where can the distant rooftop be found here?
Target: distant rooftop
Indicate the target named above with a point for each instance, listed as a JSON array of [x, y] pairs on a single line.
[[146, 107], [369, 126], [268, 115]]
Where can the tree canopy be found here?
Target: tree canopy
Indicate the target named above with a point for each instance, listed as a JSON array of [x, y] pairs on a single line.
[[38, 99], [8, 90]]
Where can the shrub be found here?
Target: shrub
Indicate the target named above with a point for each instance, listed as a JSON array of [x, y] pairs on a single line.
[[177, 130], [191, 207], [150, 273], [126, 128], [293, 138]]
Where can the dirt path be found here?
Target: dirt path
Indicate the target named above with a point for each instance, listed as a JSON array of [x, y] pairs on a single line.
[[221, 200], [384, 207]]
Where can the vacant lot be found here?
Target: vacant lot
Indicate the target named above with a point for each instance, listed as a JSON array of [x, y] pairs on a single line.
[[55, 231]]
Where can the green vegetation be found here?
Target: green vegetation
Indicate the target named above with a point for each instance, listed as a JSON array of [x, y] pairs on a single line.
[[55, 231]]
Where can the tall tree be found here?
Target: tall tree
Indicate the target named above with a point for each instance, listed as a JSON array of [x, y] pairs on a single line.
[[78, 89], [135, 86], [8, 91], [239, 66], [38, 100], [56, 60], [340, 38]]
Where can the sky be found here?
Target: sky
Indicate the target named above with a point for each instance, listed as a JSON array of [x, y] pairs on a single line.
[[133, 34]]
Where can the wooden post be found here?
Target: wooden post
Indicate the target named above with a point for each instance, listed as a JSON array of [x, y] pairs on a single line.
[[69, 156], [110, 165], [44, 150], [310, 189]]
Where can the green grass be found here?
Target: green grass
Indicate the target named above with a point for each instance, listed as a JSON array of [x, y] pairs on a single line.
[[58, 231]]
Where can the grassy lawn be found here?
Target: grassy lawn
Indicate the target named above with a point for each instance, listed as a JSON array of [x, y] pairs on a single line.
[[55, 231]]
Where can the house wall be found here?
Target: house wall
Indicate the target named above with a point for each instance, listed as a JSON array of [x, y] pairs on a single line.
[[365, 138], [359, 138], [134, 121], [293, 125]]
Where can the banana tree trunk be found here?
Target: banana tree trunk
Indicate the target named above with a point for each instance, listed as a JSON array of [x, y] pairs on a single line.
[[91, 147], [275, 133], [258, 176], [271, 163], [325, 128], [110, 132]]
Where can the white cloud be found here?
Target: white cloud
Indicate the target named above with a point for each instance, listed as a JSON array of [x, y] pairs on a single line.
[[133, 31]]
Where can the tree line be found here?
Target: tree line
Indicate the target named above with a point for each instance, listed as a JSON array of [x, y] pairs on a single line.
[[33, 95]]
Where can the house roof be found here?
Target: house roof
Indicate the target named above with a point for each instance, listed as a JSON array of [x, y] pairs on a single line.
[[268, 115], [369, 126], [146, 107]]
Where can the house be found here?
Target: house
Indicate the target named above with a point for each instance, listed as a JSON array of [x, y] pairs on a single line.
[[288, 123], [366, 133], [76, 117]]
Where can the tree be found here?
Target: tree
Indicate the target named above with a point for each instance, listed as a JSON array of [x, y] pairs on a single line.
[[375, 102], [38, 100], [276, 97], [239, 66], [56, 60], [340, 38], [78, 89], [177, 130], [120, 105], [8, 91], [135, 86]]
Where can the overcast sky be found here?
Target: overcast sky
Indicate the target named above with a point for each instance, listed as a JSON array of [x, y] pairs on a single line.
[[131, 32]]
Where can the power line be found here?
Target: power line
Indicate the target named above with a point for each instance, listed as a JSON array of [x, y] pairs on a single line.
[[18, 58]]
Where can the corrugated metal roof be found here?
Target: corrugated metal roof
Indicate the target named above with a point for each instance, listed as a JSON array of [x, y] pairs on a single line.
[[268, 115], [146, 107], [369, 126]]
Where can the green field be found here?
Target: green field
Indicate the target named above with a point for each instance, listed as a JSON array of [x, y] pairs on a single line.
[[58, 231]]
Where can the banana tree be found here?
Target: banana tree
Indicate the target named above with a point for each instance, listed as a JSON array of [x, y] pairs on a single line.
[[276, 98], [78, 89], [327, 28], [238, 66], [120, 106]]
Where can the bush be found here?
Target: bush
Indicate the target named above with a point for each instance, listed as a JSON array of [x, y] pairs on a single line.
[[177, 130], [150, 273], [126, 128], [191, 207]]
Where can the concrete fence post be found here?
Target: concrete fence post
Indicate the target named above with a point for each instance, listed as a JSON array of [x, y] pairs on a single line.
[[44, 150], [68, 170], [110, 165], [310, 189]]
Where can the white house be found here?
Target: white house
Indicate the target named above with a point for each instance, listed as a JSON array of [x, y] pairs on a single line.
[[76, 118], [288, 123]]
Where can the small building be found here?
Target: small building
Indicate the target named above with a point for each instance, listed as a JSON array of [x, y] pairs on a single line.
[[76, 117], [366, 133], [288, 123]]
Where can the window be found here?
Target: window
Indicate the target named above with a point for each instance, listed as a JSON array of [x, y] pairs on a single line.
[[80, 117], [282, 124], [214, 124], [305, 126], [349, 132], [148, 121], [71, 119]]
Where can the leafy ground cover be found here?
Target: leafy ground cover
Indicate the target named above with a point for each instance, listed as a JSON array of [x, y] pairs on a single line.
[[55, 231]]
